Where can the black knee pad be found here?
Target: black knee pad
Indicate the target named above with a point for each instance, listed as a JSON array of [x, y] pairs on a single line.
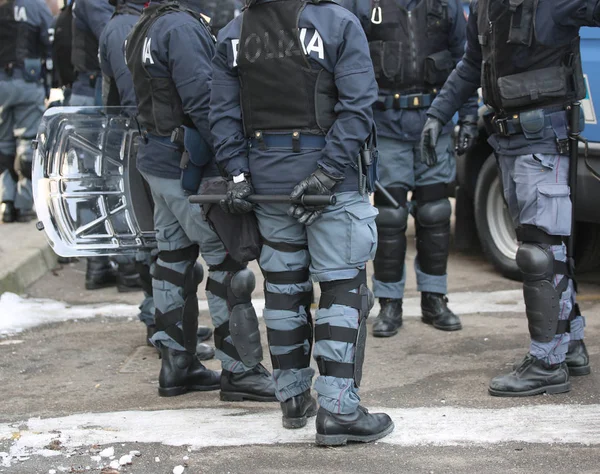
[[243, 284], [433, 235], [391, 243], [542, 299]]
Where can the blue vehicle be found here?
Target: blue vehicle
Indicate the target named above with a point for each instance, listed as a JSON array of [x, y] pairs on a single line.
[[481, 214]]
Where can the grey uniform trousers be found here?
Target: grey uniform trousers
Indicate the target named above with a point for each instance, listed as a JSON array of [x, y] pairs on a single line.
[[21, 109], [335, 247], [179, 225], [400, 166], [537, 193]]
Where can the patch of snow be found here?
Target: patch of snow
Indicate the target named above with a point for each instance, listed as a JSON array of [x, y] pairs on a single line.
[[178, 470], [107, 453]]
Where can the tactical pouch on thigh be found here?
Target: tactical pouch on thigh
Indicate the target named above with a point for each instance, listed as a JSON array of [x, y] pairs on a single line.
[[32, 70], [238, 232]]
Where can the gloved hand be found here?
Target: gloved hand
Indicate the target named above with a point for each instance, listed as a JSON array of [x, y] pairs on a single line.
[[429, 138], [235, 199], [467, 134], [318, 183]]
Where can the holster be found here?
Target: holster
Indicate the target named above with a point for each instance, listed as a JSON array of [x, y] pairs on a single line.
[[196, 154], [238, 232]]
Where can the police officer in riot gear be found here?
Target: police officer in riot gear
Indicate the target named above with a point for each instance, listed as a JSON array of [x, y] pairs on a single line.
[[525, 55], [169, 54], [293, 89], [415, 44], [117, 89], [25, 42]]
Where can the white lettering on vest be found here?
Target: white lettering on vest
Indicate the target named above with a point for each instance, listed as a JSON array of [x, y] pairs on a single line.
[[146, 54], [20, 14], [235, 47]]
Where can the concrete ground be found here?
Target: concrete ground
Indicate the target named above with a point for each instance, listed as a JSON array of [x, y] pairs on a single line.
[[78, 376]]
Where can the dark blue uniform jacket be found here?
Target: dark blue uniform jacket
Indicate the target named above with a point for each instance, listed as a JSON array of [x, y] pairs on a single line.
[[556, 21], [334, 39], [407, 125], [180, 48]]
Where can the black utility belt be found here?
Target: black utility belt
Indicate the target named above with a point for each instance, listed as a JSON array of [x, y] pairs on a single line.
[[533, 123], [295, 141], [405, 101]]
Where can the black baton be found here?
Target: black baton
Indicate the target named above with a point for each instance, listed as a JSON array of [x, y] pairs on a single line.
[[384, 192], [574, 137], [308, 200]]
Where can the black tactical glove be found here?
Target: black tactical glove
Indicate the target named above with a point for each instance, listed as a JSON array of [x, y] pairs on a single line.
[[318, 183], [429, 138], [235, 199], [467, 134]]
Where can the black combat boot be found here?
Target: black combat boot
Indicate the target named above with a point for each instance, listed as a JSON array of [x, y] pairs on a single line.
[[578, 360], [434, 307], [297, 410], [99, 273], [360, 426], [204, 351], [255, 385], [182, 372], [8, 212], [128, 278], [532, 377], [389, 319]]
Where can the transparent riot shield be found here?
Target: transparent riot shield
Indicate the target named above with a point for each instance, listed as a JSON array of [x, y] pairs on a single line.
[[89, 197]]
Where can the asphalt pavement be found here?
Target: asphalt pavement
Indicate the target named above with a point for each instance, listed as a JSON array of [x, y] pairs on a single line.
[[80, 395]]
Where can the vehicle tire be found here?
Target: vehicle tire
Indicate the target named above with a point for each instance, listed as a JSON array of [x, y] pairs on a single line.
[[494, 225], [587, 247]]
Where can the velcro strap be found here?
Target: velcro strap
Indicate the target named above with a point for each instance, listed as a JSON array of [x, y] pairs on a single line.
[[533, 234], [217, 288], [170, 318], [285, 246], [430, 193], [289, 338], [220, 334], [296, 359], [338, 292], [287, 302], [227, 265], [327, 332], [171, 276], [187, 254], [287, 278], [561, 268], [353, 300], [329, 368]]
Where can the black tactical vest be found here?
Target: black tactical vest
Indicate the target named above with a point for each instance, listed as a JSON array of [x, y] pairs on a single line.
[[160, 110], [519, 72], [18, 39], [281, 89], [62, 47], [410, 49], [84, 53]]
